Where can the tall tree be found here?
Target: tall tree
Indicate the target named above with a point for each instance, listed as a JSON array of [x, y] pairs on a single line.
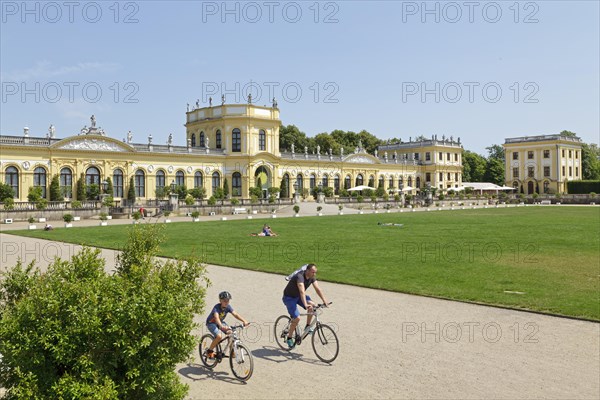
[[289, 135], [131, 191], [109, 186], [81, 190], [55, 193], [225, 188], [590, 161], [474, 166]]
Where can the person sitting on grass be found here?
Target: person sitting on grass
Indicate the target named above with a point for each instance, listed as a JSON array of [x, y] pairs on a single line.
[[48, 227], [215, 321], [266, 231]]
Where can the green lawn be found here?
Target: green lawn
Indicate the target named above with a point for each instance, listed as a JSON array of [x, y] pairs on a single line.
[[551, 254]]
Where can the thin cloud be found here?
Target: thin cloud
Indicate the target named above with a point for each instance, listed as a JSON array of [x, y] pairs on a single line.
[[45, 69]]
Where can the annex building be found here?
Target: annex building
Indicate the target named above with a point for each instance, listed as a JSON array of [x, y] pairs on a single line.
[[237, 142]]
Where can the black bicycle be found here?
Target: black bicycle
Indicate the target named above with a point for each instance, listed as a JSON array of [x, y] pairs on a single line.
[[240, 358], [324, 340]]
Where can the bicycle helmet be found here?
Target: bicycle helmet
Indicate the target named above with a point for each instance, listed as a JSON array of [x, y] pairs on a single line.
[[224, 295]]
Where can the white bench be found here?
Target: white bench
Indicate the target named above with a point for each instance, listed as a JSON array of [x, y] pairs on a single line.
[[545, 202], [238, 210]]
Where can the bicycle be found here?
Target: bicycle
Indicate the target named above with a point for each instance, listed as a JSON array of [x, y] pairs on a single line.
[[240, 358], [324, 340]]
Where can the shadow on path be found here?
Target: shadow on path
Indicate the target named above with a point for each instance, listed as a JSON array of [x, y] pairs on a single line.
[[277, 355], [197, 372]]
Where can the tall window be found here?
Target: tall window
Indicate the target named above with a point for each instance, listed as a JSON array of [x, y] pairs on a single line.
[[546, 186], [140, 183], [286, 180], [160, 179], [216, 181], [448, 176], [563, 170], [515, 155], [441, 176], [218, 144], [441, 156], [570, 154], [515, 172], [428, 156], [418, 182], [359, 180], [66, 182], [92, 176], [39, 179], [456, 177], [325, 181], [410, 181], [347, 182], [456, 157], [118, 183], [202, 139], [381, 182], [530, 172], [546, 171], [11, 178], [372, 181], [546, 153], [198, 179], [299, 182], [313, 181], [570, 171], [416, 156], [236, 140], [576, 172], [193, 140], [391, 183], [400, 181], [576, 155], [563, 153], [447, 156], [179, 178], [336, 184], [236, 184], [262, 139], [427, 176], [530, 155]]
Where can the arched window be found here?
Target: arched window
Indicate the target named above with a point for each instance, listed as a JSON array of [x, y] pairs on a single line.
[[198, 179], [336, 184], [347, 182], [218, 144], [236, 140], [325, 181], [418, 182], [39, 179], [118, 183], [236, 184], [410, 181], [11, 178], [516, 185], [300, 183], [66, 182], [140, 183], [193, 140], [92, 176], [400, 181], [160, 179], [546, 186], [381, 182], [262, 140], [179, 178], [202, 140], [371, 181], [216, 181], [391, 183], [312, 181], [359, 180]]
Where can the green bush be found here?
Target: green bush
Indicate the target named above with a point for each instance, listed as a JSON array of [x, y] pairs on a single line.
[[41, 204], [272, 199], [31, 220], [34, 193], [68, 218], [195, 214], [359, 199], [136, 215], [108, 201], [212, 201], [6, 192], [189, 200], [441, 196], [583, 187], [235, 202], [296, 209], [9, 203], [343, 193], [319, 209], [75, 204], [103, 216], [77, 331], [198, 193]]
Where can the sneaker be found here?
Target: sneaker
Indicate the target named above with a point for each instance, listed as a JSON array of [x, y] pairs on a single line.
[[291, 343], [210, 354], [309, 329]]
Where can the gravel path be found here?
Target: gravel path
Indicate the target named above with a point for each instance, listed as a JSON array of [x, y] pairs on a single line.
[[392, 345]]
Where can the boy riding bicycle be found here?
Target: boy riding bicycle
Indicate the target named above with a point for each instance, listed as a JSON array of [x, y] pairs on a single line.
[[215, 323]]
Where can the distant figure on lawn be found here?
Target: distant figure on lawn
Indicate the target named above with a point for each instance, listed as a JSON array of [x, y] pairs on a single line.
[[48, 227], [266, 231]]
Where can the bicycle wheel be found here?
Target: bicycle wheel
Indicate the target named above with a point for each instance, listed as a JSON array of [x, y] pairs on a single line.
[[242, 364], [325, 343], [280, 330], [205, 342]]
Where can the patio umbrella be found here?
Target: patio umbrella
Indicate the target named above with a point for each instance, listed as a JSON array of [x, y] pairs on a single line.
[[405, 189], [360, 187]]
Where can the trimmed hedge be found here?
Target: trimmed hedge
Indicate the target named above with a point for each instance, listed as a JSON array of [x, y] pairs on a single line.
[[583, 187]]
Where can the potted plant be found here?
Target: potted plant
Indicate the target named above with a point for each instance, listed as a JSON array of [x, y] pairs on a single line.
[[68, 218], [195, 216], [340, 208], [166, 214], [136, 215], [388, 208], [296, 210], [319, 208], [103, 218], [360, 211], [31, 221], [273, 211]]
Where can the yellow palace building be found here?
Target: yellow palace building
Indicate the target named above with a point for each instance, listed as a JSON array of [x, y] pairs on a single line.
[[542, 164], [236, 142]]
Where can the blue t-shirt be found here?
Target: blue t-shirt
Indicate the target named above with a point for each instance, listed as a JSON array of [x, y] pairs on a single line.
[[219, 310]]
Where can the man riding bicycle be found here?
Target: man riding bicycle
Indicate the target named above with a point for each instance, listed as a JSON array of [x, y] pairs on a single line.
[[294, 295]]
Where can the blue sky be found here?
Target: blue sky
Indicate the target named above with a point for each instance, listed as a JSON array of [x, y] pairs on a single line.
[[482, 72]]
